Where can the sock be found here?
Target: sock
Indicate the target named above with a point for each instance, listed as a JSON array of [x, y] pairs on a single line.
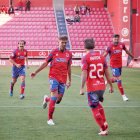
[[47, 99], [51, 107], [113, 80], [22, 87], [11, 87], [119, 83], [101, 110], [98, 118]]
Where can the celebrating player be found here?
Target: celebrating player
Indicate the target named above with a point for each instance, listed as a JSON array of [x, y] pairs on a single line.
[[94, 68], [115, 53], [60, 68], [18, 58]]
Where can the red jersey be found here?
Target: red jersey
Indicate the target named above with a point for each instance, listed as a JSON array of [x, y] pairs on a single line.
[[95, 65], [59, 62], [115, 52], [19, 56]]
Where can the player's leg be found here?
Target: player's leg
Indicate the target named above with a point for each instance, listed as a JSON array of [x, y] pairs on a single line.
[[15, 75], [22, 87], [93, 101], [54, 94], [117, 75], [61, 90], [12, 86], [121, 89], [22, 78], [46, 99]]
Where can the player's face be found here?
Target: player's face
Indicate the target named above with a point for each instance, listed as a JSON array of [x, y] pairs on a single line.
[[62, 44], [116, 40], [21, 45]]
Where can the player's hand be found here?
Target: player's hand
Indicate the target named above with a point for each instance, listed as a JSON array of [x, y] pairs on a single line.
[[111, 90], [82, 92], [18, 65], [68, 84], [33, 75]]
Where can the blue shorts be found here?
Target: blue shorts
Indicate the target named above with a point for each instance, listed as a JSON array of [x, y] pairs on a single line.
[[116, 71], [16, 72], [95, 97], [57, 86]]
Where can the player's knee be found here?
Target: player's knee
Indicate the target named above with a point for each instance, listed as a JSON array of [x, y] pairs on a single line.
[[58, 100], [94, 104]]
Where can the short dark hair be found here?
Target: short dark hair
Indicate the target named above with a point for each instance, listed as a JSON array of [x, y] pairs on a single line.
[[89, 43], [116, 36], [22, 41], [63, 37]]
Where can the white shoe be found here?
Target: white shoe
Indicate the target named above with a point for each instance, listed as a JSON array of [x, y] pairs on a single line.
[[44, 105], [21, 96], [106, 126], [50, 122], [103, 133], [124, 98]]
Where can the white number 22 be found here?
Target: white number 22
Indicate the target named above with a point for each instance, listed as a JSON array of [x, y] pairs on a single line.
[[99, 70]]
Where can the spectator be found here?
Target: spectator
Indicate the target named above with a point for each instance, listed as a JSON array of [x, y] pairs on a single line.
[[77, 10], [11, 10], [3, 9], [27, 5], [20, 5], [77, 18], [83, 9], [88, 10], [69, 19]]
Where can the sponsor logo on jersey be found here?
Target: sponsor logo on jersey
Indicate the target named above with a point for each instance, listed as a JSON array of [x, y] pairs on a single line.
[[61, 60]]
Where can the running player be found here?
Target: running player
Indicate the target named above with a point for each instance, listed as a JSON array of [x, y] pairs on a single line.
[[60, 70], [18, 58], [115, 53], [94, 67]]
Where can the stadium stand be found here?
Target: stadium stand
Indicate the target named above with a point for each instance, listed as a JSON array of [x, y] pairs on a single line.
[[37, 27], [96, 25]]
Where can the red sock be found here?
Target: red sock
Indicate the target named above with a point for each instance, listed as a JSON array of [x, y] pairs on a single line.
[[47, 99], [98, 118], [51, 107], [101, 110], [22, 87], [119, 83], [113, 80]]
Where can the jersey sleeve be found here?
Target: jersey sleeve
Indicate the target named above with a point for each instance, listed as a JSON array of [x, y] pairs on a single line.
[[49, 58], [13, 54], [84, 65]]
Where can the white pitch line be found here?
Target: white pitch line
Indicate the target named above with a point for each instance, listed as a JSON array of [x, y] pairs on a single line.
[[68, 106], [76, 75]]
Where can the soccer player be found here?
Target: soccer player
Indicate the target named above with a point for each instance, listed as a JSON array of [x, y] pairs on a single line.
[[94, 67], [60, 70], [18, 58], [115, 53]]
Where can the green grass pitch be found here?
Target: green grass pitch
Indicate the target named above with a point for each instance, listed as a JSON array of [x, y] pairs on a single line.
[[26, 120]]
